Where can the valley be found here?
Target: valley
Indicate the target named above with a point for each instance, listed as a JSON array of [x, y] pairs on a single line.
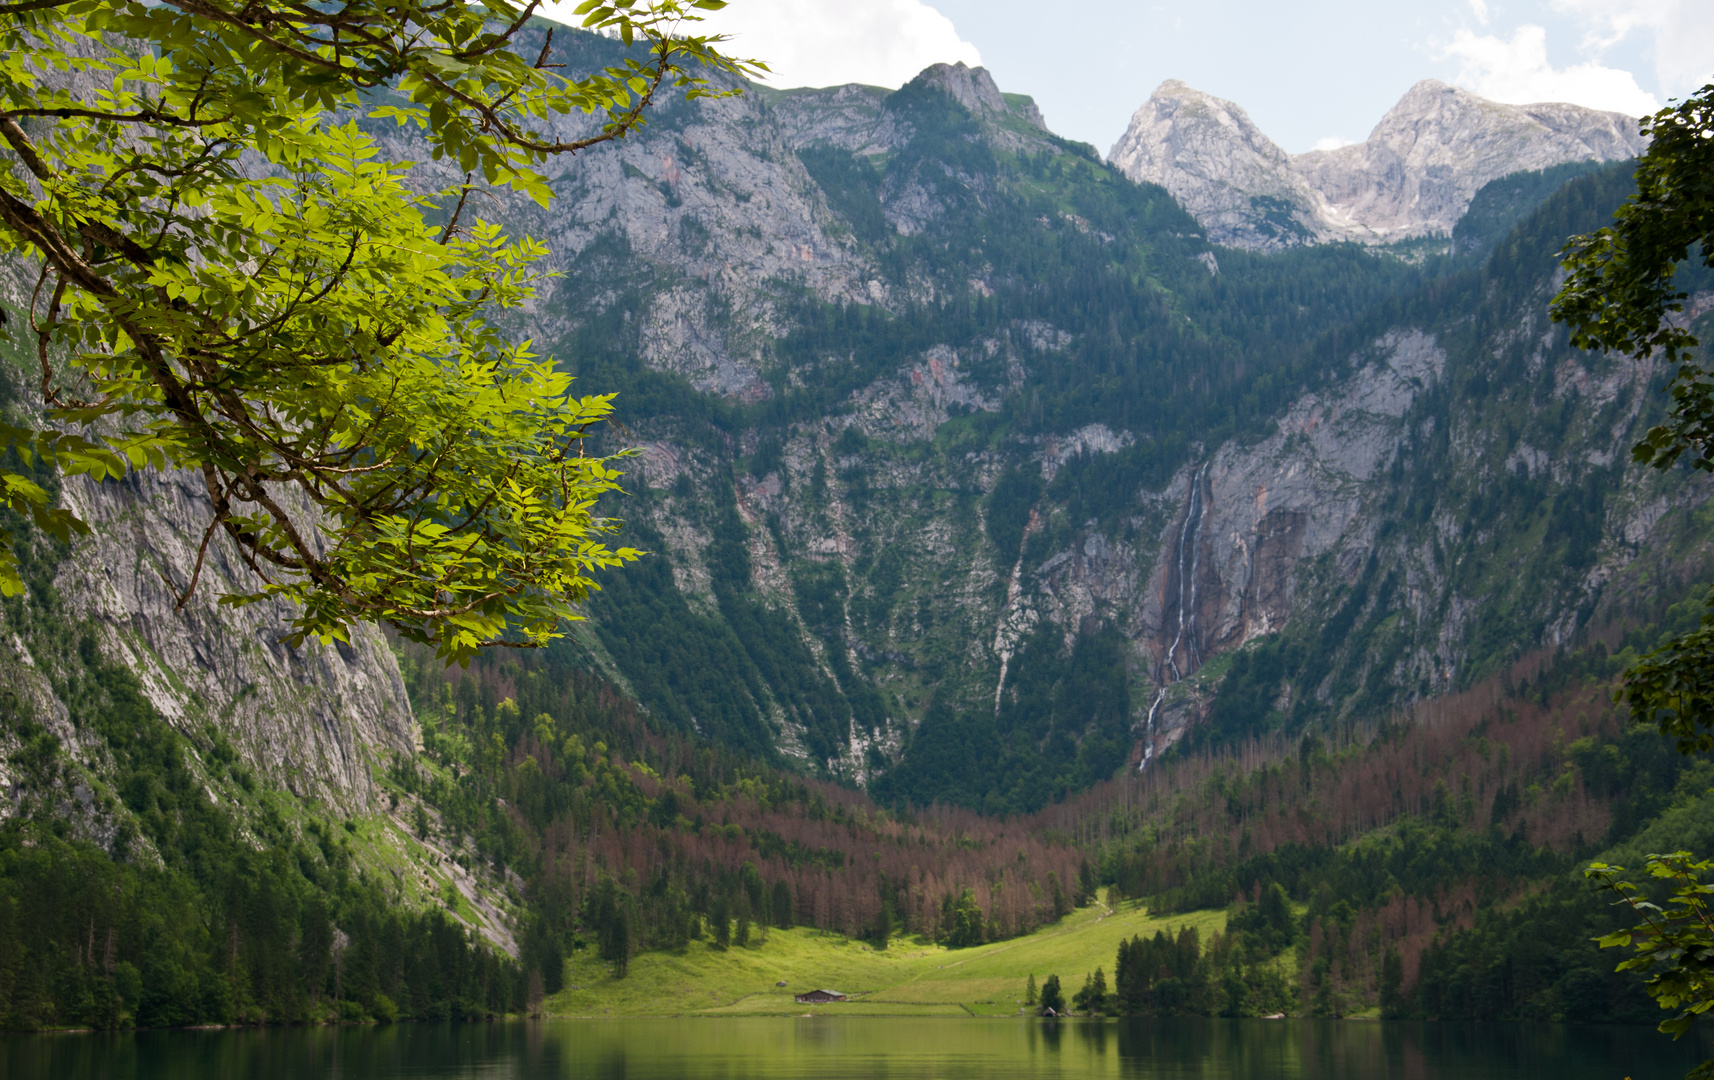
[[1040, 549]]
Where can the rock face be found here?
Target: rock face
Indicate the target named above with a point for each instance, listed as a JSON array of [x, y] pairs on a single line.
[[311, 720], [1414, 176]]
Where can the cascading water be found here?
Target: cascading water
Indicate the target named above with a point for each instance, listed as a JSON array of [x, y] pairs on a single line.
[[1189, 537]]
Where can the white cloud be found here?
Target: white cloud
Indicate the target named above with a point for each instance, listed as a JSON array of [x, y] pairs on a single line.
[[1683, 34], [1331, 142], [1479, 8], [829, 42], [1517, 71]]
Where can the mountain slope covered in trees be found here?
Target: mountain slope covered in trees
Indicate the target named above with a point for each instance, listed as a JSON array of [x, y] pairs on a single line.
[[1010, 452]]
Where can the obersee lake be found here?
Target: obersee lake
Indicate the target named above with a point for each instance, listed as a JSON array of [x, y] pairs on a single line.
[[827, 1047]]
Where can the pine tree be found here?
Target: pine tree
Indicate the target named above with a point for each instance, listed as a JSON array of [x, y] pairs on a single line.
[[783, 909], [1052, 1000], [720, 921], [1392, 985], [1097, 1000]]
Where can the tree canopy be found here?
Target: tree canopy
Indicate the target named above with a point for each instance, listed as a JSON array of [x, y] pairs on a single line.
[[230, 279], [1621, 296]]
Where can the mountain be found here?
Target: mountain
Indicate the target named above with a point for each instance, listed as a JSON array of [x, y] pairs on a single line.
[[972, 470], [1015, 452], [1414, 176]]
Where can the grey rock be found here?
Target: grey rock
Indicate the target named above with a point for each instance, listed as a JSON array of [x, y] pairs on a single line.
[[1413, 176], [312, 718]]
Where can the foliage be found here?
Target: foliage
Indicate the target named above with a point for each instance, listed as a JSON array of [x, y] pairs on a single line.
[[964, 917], [1092, 998], [1163, 976], [1621, 294], [230, 282], [1674, 686], [1268, 921], [1052, 999], [1620, 291], [1675, 945], [1530, 961]]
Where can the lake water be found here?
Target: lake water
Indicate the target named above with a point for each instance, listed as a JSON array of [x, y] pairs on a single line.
[[831, 1048]]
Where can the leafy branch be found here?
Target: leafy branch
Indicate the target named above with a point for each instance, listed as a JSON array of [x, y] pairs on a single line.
[[235, 284], [1674, 944]]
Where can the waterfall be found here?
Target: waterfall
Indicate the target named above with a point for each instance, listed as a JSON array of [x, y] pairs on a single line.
[[1189, 536]]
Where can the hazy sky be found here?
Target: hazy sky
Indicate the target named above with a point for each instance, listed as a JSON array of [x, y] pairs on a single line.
[[1315, 72]]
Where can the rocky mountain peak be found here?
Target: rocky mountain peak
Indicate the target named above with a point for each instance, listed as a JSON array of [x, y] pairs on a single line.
[[857, 118], [975, 90], [1217, 163], [1413, 176], [971, 87]]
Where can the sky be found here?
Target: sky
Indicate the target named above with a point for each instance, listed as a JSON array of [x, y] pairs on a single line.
[[1311, 73]]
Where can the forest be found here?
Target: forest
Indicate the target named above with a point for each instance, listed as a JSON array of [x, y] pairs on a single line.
[[1424, 864], [1427, 864], [283, 926], [628, 838]]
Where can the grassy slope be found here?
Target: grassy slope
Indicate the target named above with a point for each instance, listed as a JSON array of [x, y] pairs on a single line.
[[909, 978]]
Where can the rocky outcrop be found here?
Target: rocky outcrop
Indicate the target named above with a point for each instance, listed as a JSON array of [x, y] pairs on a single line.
[[314, 720], [310, 719], [1413, 176], [851, 118], [1291, 498], [856, 117]]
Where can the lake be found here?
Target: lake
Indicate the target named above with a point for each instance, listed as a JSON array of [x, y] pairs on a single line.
[[833, 1047]]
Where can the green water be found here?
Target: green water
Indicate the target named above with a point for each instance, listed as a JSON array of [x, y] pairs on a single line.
[[829, 1048]]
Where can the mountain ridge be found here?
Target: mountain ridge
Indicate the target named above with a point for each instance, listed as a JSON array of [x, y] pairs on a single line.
[[1413, 176]]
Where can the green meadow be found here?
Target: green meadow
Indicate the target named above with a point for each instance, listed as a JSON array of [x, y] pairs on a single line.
[[909, 978]]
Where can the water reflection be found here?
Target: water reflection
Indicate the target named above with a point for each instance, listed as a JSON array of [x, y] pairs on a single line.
[[833, 1048]]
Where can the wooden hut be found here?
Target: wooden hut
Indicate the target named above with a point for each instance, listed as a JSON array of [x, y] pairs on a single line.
[[820, 997]]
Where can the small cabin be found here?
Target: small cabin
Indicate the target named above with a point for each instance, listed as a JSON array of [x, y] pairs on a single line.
[[820, 997]]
